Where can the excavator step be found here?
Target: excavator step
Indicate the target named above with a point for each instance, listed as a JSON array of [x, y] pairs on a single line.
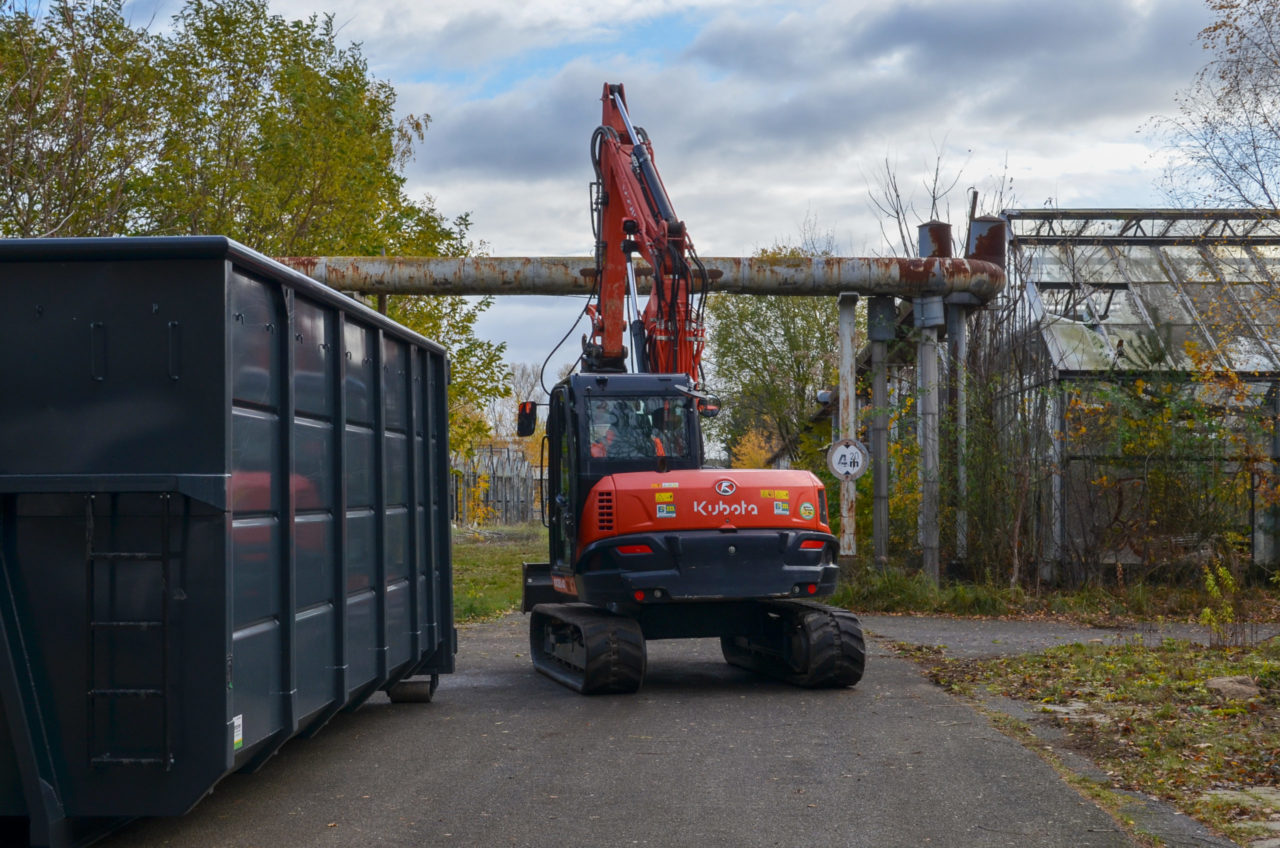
[[586, 648], [803, 643]]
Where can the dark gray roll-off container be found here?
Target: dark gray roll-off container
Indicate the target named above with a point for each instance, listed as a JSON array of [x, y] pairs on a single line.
[[223, 518]]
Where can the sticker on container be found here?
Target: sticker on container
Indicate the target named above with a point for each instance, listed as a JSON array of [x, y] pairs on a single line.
[[664, 497], [776, 494], [807, 510], [666, 510], [237, 732], [781, 508]]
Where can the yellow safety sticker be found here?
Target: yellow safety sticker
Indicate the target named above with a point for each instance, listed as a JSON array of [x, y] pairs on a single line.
[[664, 497], [776, 494]]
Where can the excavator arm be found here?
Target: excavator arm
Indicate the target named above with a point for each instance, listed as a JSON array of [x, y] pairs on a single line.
[[634, 216]]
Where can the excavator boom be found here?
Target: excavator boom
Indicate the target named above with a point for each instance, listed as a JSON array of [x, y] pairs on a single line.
[[635, 216]]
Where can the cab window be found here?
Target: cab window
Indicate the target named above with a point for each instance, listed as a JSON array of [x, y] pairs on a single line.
[[638, 427]]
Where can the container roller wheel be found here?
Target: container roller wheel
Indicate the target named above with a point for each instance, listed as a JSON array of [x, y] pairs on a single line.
[[414, 690]]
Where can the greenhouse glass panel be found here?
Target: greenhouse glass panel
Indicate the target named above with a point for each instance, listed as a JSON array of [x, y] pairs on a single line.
[[1141, 263]]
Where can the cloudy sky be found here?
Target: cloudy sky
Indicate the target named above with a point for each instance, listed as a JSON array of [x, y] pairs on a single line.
[[766, 114]]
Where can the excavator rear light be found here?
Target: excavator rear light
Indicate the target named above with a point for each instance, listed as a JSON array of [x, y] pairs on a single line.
[[638, 595], [634, 549], [812, 545], [811, 588]]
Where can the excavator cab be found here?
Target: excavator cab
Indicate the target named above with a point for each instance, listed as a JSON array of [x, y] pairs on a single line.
[[608, 424]]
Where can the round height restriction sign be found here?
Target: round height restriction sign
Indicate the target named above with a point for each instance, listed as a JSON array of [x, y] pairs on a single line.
[[848, 459]]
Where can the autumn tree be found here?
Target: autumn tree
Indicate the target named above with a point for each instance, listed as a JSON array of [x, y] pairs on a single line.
[[772, 355], [1226, 135]]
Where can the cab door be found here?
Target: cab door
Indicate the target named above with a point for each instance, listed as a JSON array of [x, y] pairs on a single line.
[[561, 479]]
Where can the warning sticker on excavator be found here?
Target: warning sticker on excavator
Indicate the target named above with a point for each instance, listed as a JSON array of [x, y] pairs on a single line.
[[665, 485], [666, 510], [776, 494], [664, 497], [565, 584]]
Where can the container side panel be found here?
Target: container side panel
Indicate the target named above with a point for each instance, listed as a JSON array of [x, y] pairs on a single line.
[[395, 368], [436, 468], [319, 601], [397, 455], [314, 363], [361, 482], [398, 624], [255, 349], [358, 350], [362, 661], [361, 472], [255, 545], [117, 368], [258, 474], [255, 681], [315, 535], [315, 635], [312, 465], [255, 461], [397, 546], [361, 548]]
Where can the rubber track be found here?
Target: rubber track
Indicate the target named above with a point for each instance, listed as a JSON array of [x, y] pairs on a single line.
[[831, 639], [614, 647]]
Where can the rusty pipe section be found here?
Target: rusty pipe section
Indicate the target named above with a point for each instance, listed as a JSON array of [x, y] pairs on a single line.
[[557, 275]]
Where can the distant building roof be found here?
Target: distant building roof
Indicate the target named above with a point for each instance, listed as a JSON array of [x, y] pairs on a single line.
[[1130, 289]]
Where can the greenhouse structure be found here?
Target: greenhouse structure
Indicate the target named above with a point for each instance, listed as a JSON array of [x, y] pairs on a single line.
[[1137, 354]]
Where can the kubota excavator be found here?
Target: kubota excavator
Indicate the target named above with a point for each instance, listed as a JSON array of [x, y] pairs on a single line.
[[645, 543]]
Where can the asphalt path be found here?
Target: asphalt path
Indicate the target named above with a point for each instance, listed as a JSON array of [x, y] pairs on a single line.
[[706, 755]]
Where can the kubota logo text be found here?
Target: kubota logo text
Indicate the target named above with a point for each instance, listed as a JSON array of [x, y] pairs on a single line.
[[740, 508], [724, 488]]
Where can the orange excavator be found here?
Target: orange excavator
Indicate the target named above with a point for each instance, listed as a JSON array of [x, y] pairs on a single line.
[[646, 543]]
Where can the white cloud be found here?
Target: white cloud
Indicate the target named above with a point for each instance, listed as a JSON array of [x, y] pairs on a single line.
[[765, 113]]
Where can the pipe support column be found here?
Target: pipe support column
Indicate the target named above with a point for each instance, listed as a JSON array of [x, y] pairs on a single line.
[[882, 320], [848, 328]]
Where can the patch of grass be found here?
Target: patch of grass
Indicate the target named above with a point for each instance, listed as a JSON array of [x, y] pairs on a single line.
[[1161, 731], [486, 568], [895, 590], [868, 589]]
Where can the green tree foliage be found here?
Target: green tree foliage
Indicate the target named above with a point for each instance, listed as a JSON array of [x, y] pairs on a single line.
[[235, 122], [77, 119], [771, 355], [277, 137]]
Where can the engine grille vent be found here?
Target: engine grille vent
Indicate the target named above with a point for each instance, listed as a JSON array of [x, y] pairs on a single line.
[[604, 512]]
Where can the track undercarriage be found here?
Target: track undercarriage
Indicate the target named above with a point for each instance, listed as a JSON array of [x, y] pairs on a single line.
[[594, 651]]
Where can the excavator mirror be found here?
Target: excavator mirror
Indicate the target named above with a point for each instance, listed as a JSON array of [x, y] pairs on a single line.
[[527, 418], [709, 407]]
